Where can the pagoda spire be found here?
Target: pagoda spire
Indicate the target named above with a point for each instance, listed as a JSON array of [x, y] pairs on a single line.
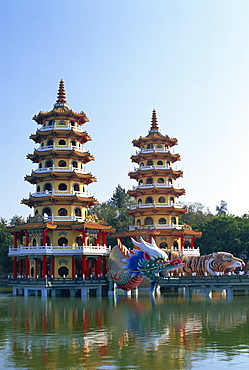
[[61, 96], [154, 126]]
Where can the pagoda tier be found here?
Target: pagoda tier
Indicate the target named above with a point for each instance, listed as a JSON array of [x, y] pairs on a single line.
[[154, 137], [154, 153], [58, 173], [76, 198], [154, 170], [68, 151], [56, 130], [155, 188]]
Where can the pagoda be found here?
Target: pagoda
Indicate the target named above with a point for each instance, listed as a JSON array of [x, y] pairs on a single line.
[[60, 239], [157, 210]]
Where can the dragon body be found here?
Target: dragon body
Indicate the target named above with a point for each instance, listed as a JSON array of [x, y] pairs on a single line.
[[127, 268]]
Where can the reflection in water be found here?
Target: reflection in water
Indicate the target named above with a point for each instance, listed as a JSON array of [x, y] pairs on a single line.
[[126, 333]]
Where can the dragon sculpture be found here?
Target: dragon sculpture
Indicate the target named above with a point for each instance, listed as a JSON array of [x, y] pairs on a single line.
[[127, 268]]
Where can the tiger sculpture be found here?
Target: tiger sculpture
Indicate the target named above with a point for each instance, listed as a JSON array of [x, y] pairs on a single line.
[[207, 264]]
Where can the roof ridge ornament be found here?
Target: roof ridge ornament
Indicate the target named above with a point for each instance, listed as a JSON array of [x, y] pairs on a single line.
[[154, 126], [61, 96]]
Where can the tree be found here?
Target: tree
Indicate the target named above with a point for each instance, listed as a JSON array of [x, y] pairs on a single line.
[[120, 198], [222, 209], [196, 214], [6, 240]]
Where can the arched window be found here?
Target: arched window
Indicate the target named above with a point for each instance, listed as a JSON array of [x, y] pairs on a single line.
[[149, 162], [163, 245], [46, 212], [62, 164], [62, 212], [172, 200], [141, 164], [161, 200], [138, 223], [139, 201], [150, 146], [47, 186], [162, 221], [76, 187], [140, 182], [48, 240], [38, 189], [173, 220], [175, 244], [36, 213], [72, 123], [168, 163], [149, 180], [149, 200], [170, 181], [51, 123], [73, 142], [75, 164], [62, 241], [159, 146], [50, 142], [40, 165], [160, 180], [62, 142], [148, 221], [62, 187], [34, 242], [49, 163], [78, 241], [77, 212], [62, 123], [159, 163], [42, 144]]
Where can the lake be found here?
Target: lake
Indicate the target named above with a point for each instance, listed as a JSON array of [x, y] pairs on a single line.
[[168, 332]]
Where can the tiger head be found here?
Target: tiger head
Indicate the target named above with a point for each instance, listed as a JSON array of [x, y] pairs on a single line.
[[223, 262]]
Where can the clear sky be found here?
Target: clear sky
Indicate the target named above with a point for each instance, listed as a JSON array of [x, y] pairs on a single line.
[[119, 59]]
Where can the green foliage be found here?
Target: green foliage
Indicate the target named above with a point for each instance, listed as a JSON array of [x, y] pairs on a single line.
[[6, 240], [197, 214], [222, 209], [16, 220]]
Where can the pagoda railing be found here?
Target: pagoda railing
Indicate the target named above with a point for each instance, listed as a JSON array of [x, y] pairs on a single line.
[[61, 127], [153, 150], [156, 167], [158, 205], [157, 226], [61, 169], [65, 193], [59, 250], [154, 185], [62, 147], [64, 218]]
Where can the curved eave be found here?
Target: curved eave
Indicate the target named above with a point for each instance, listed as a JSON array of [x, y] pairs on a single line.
[[32, 201], [188, 232], [31, 225], [148, 173], [146, 191], [85, 178], [85, 157], [137, 158], [154, 210], [63, 113], [92, 226], [155, 138], [83, 137]]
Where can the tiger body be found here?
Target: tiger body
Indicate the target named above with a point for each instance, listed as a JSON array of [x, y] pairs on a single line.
[[207, 264]]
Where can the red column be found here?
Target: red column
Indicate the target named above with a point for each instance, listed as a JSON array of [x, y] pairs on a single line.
[[26, 267], [83, 265], [44, 266], [14, 267], [44, 237], [98, 238], [84, 237], [104, 265], [20, 267], [151, 236], [52, 267], [73, 268], [97, 267], [104, 238], [15, 240], [26, 239], [193, 242], [182, 241]]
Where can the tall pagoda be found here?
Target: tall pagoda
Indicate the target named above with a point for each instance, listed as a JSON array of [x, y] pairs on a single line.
[[60, 239], [156, 210]]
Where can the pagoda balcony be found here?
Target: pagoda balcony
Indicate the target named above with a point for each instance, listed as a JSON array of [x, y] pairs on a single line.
[[61, 193], [61, 169], [61, 127], [153, 185], [153, 150], [157, 226], [155, 167], [155, 205], [40, 250], [61, 147]]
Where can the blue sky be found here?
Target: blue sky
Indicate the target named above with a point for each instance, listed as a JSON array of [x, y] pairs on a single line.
[[120, 58]]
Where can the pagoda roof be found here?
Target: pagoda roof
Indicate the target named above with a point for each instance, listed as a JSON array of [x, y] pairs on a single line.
[[86, 178], [61, 110], [156, 190], [137, 158], [38, 155], [32, 200], [153, 231], [155, 171], [81, 136]]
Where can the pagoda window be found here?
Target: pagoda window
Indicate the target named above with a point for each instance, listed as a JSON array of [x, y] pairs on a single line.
[[62, 241], [38, 189], [48, 240], [149, 180], [162, 221], [76, 187], [170, 181], [62, 212], [141, 164], [73, 142], [161, 200], [62, 164], [160, 180], [40, 165], [46, 212], [150, 146], [36, 212], [77, 212], [47, 186], [62, 123], [139, 201], [173, 220], [50, 142], [75, 164], [163, 245], [149, 163], [83, 189], [160, 163], [42, 144], [49, 163], [172, 200], [62, 142], [168, 163], [62, 186], [78, 241], [166, 147], [138, 223], [175, 244], [159, 146], [149, 200], [148, 221], [72, 123], [140, 182], [34, 242]]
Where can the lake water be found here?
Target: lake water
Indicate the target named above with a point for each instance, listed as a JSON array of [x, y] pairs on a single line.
[[169, 332]]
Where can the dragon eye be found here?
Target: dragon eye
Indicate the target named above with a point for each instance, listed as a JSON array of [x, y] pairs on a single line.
[[161, 260]]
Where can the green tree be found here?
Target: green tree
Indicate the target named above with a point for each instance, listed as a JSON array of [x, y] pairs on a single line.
[[222, 209], [6, 240], [196, 214]]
